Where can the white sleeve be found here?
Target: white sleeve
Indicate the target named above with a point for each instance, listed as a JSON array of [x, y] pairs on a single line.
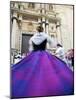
[[52, 41], [57, 51], [60, 52], [30, 45]]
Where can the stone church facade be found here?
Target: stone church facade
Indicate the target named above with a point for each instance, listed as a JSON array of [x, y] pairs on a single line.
[[57, 21]]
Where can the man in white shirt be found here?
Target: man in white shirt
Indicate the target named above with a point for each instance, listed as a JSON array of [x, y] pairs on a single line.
[[60, 52]]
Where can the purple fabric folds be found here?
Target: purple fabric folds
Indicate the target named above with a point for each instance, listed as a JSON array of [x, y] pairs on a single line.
[[41, 74]]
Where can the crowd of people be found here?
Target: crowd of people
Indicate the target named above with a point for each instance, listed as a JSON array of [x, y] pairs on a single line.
[[67, 57]]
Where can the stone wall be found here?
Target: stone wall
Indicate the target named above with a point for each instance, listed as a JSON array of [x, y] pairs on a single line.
[[62, 30]]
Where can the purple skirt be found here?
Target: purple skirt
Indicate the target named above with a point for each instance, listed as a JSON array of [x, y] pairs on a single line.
[[41, 74]]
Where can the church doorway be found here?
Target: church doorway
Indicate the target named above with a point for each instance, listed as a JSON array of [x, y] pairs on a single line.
[[25, 43]]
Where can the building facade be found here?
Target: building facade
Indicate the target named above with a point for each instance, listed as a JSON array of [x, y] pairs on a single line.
[[57, 21]]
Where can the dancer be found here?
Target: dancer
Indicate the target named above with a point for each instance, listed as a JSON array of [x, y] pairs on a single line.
[[41, 73]]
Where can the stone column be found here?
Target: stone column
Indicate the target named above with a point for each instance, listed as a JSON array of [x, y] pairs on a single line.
[[39, 18], [14, 31], [14, 36], [43, 23], [21, 6], [43, 18], [20, 32], [59, 39], [47, 26], [15, 5], [46, 30], [14, 28]]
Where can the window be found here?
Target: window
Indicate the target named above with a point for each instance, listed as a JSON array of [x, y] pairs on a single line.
[[31, 5], [12, 4], [19, 6], [50, 7]]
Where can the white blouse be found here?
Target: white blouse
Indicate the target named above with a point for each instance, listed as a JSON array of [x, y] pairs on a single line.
[[38, 38], [60, 52]]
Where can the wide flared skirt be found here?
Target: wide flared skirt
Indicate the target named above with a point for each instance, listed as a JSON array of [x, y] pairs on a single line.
[[41, 74]]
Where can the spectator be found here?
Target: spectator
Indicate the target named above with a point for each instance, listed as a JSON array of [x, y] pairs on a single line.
[[60, 52]]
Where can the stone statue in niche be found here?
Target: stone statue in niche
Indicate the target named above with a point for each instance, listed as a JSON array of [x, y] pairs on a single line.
[[31, 5], [52, 28], [50, 7]]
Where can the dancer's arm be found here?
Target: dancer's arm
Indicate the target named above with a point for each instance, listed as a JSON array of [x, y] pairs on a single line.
[[52, 41], [49, 39]]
